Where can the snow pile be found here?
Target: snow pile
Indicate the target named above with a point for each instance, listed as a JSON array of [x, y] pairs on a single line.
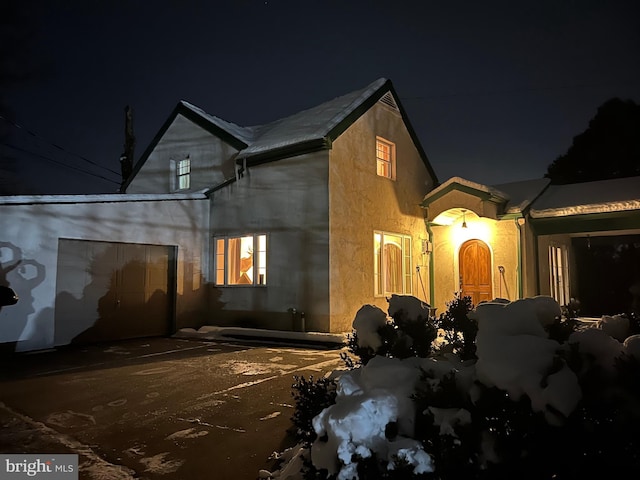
[[371, 402], [515, 355], [375, 411]]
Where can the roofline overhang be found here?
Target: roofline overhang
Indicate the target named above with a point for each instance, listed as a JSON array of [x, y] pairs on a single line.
[[483, 192], [286, 151], [591, 222]]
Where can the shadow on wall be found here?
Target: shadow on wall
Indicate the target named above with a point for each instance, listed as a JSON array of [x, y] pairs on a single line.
[[22, 275], [130, 300]]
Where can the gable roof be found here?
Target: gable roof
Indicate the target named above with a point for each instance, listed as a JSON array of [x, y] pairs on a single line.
[[235, 135], [309, 130], [317, 127]]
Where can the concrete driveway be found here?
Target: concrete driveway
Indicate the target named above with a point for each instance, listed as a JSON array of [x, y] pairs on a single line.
[[161, 408]]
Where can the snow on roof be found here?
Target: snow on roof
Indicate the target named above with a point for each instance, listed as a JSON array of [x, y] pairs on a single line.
[[616, 195], [245, 134], [522, 193], [312, 124], [492, 191], [99, 198]]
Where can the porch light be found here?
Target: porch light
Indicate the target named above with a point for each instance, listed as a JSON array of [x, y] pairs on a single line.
[[464, 220]]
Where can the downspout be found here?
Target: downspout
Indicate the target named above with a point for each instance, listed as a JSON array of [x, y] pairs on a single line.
[[431, 264], [519, 224]]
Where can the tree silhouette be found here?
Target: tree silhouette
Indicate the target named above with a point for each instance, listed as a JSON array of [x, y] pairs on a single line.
[[609, 148]]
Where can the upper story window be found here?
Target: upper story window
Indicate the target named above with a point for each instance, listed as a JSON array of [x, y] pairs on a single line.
[[241, 260], [385, 158], [183, 173], [392, 263]]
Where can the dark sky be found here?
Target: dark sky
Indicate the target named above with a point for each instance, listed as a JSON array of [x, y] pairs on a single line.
[[495, 90]]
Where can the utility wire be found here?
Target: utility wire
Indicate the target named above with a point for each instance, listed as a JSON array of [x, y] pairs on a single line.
[[20, 149], [35, 135]]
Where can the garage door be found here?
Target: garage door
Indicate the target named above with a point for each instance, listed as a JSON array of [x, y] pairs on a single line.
[[112, 291]]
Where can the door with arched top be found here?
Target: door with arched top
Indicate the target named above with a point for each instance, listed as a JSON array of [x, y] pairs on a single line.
[[475, 271]]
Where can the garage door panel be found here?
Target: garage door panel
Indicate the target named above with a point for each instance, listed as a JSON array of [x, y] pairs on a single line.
[[111, 291]]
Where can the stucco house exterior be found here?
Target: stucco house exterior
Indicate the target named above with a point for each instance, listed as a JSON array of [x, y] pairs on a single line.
[[291, 225], [523, 239]]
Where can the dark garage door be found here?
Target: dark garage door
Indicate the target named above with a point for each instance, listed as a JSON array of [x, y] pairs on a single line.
[[112, 291]]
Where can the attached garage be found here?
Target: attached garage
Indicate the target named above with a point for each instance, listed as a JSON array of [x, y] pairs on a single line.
[[94, 268], [113, 291]]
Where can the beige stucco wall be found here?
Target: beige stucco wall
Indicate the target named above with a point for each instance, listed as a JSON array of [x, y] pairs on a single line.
[[502, 237], [211, 160], [360, 202]]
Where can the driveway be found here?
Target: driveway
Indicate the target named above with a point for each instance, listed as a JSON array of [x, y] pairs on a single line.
[[161, 408]]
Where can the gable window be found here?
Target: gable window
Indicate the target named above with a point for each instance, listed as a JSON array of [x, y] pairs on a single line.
[[392, 263], [241, 260], [183, 173], [385, 158], [558, 274]]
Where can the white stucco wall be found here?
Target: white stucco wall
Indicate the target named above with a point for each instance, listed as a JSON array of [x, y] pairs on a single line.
[[31, 227], [211, 159], [287, 200]]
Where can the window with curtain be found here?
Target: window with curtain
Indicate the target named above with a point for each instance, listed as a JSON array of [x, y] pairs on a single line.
[[392, 264], [241, 260], [385, 158]]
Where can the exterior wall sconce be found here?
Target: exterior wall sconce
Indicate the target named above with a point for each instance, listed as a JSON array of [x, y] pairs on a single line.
[[464, 220]]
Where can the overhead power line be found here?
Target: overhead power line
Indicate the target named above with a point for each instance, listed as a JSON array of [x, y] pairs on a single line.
[[35, 135], [44, 157]]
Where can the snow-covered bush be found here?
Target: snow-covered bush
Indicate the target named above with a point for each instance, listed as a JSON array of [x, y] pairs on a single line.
[[405, 331], [538, 399]]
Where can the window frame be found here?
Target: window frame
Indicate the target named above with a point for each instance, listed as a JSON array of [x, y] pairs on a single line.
[[559, 273], [182, 173], [389, 165], [221, 259], [405, 259]]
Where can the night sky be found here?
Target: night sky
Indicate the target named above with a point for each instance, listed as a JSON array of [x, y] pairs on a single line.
[[494, 90]]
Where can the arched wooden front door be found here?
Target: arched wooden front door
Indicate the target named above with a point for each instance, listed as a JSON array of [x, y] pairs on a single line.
[[475, 271]]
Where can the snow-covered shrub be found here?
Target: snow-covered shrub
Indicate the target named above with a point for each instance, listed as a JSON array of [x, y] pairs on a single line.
[[539, 400], [406, 331], [459, 330]]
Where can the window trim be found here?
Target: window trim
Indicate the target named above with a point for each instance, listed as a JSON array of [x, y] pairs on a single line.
[[559, 273], [181, 173], [261, 267], [392, 158], [406, 261]]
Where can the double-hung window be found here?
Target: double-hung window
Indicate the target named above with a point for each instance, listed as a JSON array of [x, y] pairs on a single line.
[[183, 173], [241, 260], [385, 158], [392, 264]]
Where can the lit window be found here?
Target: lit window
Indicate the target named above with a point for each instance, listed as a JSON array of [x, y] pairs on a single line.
[[183, 172], [392, 264], [558, 274], [385, 158], [241, 260]]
